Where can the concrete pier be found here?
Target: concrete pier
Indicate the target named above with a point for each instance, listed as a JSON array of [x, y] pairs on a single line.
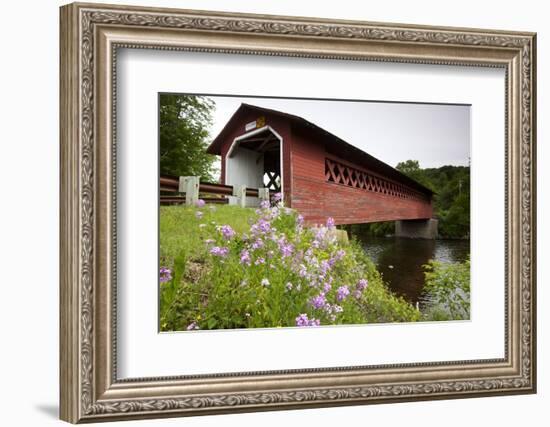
[[416, 228]]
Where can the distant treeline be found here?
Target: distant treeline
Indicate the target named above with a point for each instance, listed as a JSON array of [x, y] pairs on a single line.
[[451, 185]]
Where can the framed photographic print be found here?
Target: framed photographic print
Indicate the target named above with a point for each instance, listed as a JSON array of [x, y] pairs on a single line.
[[266, 212]]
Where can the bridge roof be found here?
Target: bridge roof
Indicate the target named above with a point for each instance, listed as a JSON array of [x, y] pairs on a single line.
[[339, 147]]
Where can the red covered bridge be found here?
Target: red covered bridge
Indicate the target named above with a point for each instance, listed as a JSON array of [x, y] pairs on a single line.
[[318, 173]]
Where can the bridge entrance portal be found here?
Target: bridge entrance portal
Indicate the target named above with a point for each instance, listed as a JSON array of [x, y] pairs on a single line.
[[255, 160]]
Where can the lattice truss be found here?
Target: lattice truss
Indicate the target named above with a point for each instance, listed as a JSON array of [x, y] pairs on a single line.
[[345, 175]]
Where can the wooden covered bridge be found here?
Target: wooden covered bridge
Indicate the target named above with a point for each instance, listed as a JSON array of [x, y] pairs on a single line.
[[319, 174]]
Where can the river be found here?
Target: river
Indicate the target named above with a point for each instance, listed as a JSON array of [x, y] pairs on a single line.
[[400, 260]]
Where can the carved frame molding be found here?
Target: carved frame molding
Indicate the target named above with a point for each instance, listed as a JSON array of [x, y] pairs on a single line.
[[90, 36]]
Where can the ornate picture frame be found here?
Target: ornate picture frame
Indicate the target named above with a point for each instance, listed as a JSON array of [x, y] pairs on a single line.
[[90, 37]]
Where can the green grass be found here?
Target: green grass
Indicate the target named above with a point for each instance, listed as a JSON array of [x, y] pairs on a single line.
[[179, 225]]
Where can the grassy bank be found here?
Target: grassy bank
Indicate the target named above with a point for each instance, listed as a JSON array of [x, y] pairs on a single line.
[[180, 231], [231, 267]]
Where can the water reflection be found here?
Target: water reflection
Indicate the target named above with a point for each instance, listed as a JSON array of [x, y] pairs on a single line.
[[400, 260]]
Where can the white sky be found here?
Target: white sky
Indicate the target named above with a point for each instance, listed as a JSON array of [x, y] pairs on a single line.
[[435, 135]]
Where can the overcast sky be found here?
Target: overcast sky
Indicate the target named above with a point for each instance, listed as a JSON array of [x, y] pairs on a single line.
[[435, 135]]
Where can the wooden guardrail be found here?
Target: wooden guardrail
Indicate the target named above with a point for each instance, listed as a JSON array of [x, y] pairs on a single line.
[[171, 184]]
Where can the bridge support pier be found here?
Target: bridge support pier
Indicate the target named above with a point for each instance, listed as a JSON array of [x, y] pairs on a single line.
[[416, 228]]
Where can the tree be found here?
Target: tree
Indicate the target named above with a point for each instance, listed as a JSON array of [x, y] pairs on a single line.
[[408, 166], [412, 169], [184, 131], [456, 221], [451, 185]]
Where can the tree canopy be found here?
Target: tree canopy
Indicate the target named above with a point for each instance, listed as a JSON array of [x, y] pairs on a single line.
[[451, 185], [184, 132], [412, 169]]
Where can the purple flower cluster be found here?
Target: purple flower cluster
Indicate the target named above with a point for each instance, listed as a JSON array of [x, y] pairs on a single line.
[[193, 326], [340, 253], [221, 252], [318, 301], [327, 286], [342, 293], [277, 197], [320, 234], [200, 203], [245, 257], [303, 320], [317, 272], [360, 287], [227, 232], [263, 226], [258, 243], [362, 284], [165, 275], [285, 247], [312, 256], [325, 267]]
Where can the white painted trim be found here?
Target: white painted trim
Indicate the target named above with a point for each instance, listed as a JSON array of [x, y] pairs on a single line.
[[235, 144]]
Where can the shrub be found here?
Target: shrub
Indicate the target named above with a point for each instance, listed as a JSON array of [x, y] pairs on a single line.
[[448, 289], [276, 273]]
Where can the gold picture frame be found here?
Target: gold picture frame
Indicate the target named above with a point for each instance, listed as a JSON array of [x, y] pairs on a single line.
[[90, 36]]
